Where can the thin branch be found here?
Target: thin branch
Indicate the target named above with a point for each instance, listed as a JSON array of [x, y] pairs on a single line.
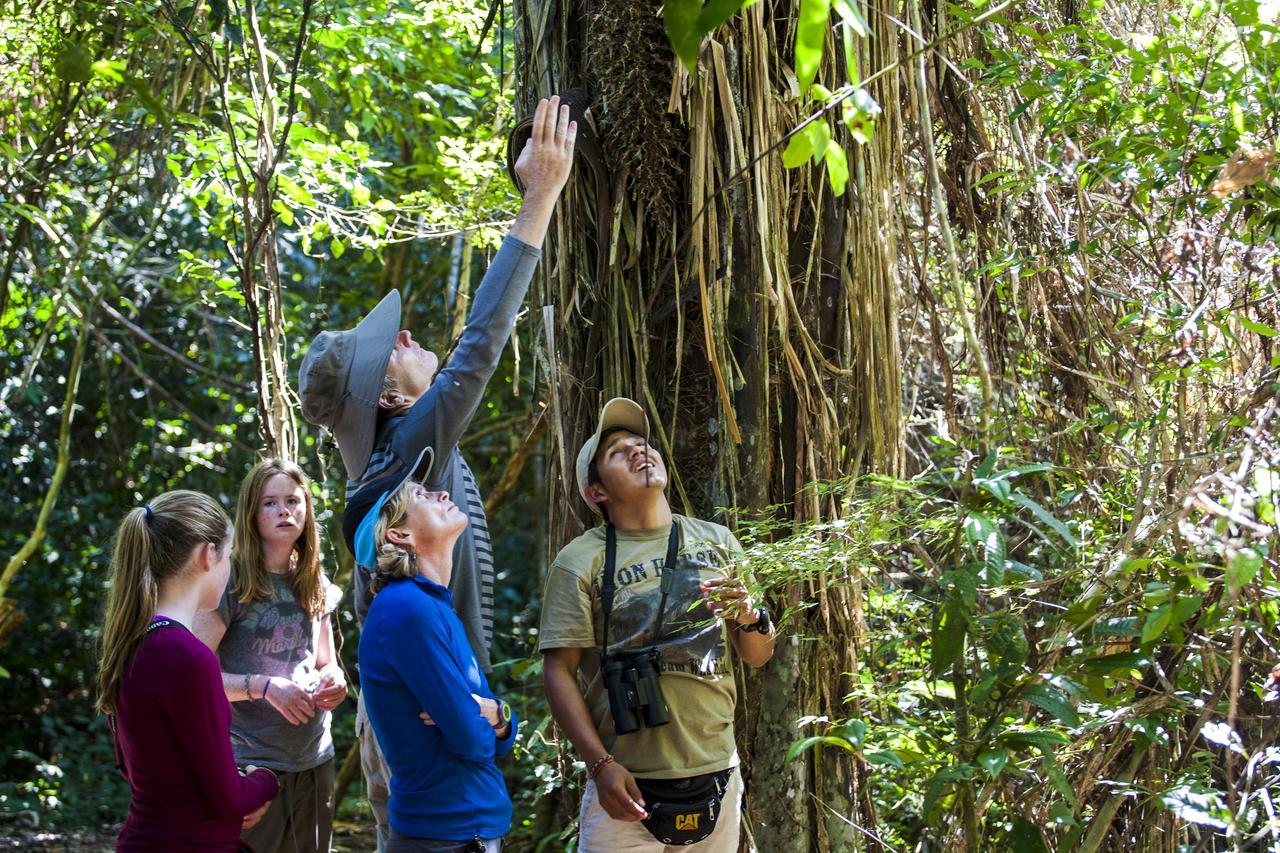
[[168, 397], [60, 467], [172, 353]]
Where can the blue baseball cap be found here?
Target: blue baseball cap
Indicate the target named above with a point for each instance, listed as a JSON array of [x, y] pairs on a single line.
[[365, 507]]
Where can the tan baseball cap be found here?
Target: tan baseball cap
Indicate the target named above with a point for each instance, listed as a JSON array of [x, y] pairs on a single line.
[[618, 413], [340, 381]]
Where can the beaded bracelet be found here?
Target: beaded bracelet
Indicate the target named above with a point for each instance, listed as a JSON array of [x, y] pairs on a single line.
[[599, 765]]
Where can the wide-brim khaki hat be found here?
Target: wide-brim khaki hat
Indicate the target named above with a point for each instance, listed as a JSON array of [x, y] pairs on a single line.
[[618, 413], [341, 378]]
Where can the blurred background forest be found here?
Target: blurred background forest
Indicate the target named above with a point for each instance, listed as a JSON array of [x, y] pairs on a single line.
[[964, 315]]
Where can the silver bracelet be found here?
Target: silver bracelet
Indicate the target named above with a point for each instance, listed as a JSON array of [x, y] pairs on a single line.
[[247, 694]]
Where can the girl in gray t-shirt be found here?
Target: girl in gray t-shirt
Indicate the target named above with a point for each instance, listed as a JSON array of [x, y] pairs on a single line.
[[274, 640]]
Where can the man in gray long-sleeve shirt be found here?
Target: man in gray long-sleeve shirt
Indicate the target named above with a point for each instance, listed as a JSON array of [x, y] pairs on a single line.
[[379, 393]]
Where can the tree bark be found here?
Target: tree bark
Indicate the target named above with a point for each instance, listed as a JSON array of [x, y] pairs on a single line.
[[757, 323]]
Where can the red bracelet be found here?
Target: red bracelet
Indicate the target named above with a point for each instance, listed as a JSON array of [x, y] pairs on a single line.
[[599, 765]]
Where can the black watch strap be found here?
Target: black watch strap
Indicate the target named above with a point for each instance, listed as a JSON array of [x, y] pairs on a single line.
[[764, 624]]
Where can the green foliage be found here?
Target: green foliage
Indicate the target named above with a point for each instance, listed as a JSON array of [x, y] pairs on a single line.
[[119, 184]]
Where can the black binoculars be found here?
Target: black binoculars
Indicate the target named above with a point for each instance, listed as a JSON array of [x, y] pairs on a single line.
[[635, 696]]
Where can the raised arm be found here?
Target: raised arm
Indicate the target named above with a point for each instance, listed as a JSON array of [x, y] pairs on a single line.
[[442, 415]]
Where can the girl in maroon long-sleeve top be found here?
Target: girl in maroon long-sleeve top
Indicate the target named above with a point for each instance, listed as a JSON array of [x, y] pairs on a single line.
[[162, 687]]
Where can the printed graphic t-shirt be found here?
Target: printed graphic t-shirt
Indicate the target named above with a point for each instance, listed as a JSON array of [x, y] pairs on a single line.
[[275, 637], [697, 678]]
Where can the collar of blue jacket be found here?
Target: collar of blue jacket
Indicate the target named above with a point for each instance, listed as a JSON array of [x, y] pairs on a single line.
[[367, 505]]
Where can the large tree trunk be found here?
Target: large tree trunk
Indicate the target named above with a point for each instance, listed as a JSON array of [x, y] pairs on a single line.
[[757, 324]]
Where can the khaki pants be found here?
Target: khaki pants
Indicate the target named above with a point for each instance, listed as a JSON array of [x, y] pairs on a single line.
[[377, 778], [300, 818], [599, 833]]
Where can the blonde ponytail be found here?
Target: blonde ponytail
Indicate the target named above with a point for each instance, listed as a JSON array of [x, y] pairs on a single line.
[[154, 543]]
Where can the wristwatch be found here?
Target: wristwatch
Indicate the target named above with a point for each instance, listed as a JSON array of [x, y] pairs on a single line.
[[504, 714], [764, 625]]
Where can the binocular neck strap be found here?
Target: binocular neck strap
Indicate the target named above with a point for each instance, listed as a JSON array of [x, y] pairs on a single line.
[[608, 587]]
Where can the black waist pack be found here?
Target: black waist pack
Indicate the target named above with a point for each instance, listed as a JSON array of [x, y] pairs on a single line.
[[683, 811]]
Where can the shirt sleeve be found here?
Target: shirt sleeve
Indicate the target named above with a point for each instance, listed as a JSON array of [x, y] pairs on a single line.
[[442, 415], [437, 681], [199, 706], [567, 617], [228, 605], [501, 745]]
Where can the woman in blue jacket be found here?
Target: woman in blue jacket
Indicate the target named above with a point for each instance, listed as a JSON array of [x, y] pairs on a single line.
[[446, 792]]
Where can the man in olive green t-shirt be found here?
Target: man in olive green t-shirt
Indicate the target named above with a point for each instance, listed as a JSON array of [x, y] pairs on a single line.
[[624, 479]]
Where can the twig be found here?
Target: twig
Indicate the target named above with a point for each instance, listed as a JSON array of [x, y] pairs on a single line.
[[143, 335], [60, 467], [160, 390]]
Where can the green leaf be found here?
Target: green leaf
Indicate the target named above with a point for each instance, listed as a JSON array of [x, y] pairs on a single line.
[[987, 542], [337, 247], [993, 761], [681, 20], [74, 64], [1000, 489], [716, 12], [217, 14], [852, 17], [1116, 626], [1106, 664], [1006, 638], [819, 133], [948, 636], [1054, 701], [850, 55], [939, 784], [1024, 836], [987, 466], [851, 730], [825, 740], [887, 757], [798, 150], [859, 112], [1199, 805], [1045, 741], [1242, 565], [1184, 607], [1254, 326], [837, 169], [143, 91], [1157, 623], [1044, 515], [811, 34]]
